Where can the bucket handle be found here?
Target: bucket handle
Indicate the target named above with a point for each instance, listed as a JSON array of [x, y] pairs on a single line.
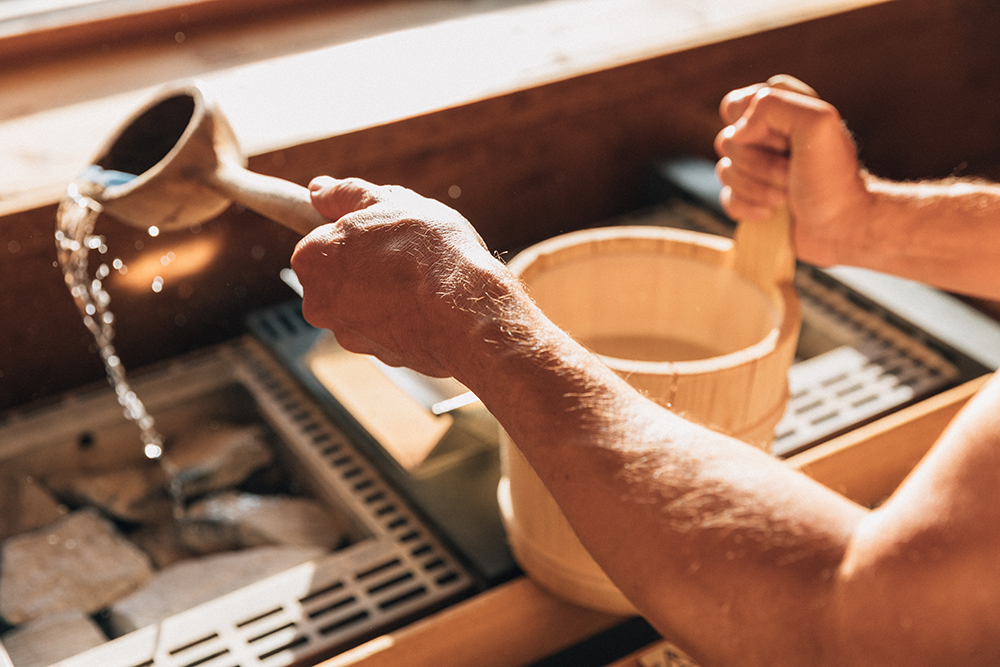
[[764, 251]]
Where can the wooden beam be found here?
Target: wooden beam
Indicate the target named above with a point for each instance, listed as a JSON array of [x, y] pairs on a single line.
[[868, 463]]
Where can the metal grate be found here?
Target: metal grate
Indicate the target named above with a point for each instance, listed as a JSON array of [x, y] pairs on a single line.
[[869, 368], [454, 489], [395, 570]]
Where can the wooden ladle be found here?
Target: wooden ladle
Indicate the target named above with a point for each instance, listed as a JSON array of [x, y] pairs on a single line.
[[764, 251], [182, 165]]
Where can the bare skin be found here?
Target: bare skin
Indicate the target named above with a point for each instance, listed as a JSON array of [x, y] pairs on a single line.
[[727, 551], [945, 233]]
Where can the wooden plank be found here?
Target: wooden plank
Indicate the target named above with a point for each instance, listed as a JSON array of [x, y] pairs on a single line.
[[26, 32], [868, 463], [408, 431]]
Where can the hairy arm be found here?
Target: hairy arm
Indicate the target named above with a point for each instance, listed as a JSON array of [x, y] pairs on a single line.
[[735, 556], [945, 233], [727, 551]]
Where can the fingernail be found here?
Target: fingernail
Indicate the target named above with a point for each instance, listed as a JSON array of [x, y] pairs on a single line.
[[321, 182]]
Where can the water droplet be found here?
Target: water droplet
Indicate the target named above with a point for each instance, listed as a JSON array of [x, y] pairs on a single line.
[[154, 231], [152, 451]]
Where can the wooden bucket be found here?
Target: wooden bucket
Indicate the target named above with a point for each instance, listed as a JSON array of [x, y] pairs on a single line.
[[664, 309]]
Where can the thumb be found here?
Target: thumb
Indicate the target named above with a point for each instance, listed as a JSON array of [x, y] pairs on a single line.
[[334, 198]]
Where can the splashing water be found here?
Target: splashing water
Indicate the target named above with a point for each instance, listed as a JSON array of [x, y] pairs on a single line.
[[75, 239]]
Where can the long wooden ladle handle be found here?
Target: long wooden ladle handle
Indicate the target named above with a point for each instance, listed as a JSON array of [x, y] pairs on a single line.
[[287, 203], [764, 251]]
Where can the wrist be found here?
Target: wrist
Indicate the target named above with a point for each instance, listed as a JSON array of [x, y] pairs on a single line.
[[485, 313], [860, 231], [850, 233], [515, 359]]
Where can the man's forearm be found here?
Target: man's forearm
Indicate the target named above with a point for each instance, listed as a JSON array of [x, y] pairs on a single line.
[[944, 233]]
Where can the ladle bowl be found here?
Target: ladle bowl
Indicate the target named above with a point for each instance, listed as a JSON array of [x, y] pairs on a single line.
[[189, 168]]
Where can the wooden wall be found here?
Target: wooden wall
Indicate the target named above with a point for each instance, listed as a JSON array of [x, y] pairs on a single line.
[[917, 80]]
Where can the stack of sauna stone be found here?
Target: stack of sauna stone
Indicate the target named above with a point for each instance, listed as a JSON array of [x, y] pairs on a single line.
[[119, 557]]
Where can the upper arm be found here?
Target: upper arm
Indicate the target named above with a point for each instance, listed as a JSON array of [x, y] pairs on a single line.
[[920, 582]]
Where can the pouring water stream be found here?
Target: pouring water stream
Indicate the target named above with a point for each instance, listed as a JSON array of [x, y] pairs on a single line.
[[75, 239]]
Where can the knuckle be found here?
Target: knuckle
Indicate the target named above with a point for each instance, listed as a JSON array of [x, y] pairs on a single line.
[[721, 143], [301, 261], [311, 313]]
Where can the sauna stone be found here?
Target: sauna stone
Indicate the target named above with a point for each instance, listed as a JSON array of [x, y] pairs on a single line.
[[137, 494], [193, 582], [236, 520], [80, 563], [217, 456], [163, 543], [26, 505], [48, 640]]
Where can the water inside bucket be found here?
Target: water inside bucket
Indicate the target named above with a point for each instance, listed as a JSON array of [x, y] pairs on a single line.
[[650, 348]]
